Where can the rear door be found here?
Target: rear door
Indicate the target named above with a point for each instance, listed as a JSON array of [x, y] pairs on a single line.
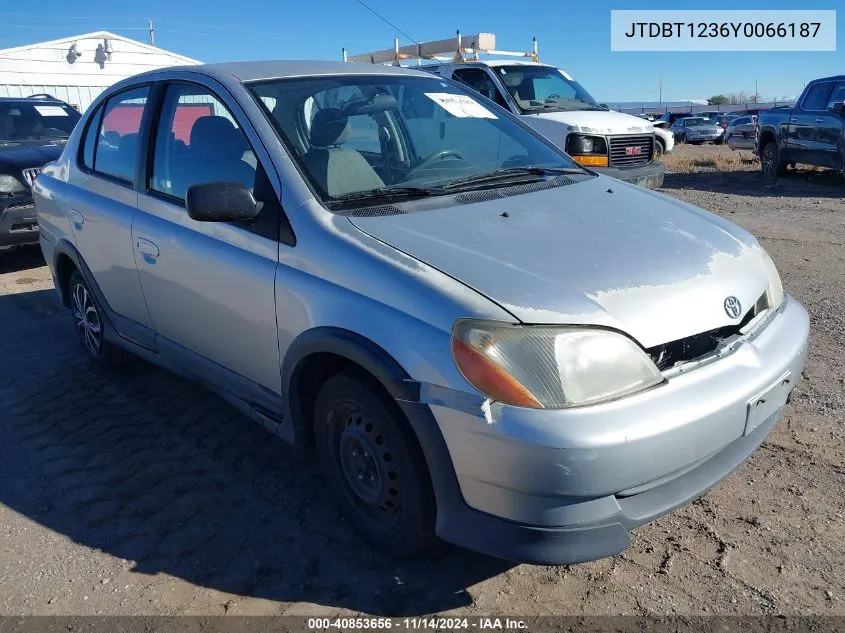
[[102, 204], [210, 286]]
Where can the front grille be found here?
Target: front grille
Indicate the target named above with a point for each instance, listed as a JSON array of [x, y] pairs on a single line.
[[691, 348], [21, 205], [627, 151]]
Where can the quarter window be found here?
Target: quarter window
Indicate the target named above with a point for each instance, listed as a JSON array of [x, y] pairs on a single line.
[[198, 140], [116, 150]]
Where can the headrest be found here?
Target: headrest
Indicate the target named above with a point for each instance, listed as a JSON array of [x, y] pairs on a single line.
[[328, 127], [216, 137]]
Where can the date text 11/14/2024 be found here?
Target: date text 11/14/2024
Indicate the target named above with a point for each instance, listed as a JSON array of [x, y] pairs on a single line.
[[417, 624]]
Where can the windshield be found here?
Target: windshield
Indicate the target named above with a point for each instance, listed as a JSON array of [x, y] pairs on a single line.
[[24, 121], [371, 133], [544, 88], [697, 121]]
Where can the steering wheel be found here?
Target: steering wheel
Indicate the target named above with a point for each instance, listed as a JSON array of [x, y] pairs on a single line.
[[440, 154]]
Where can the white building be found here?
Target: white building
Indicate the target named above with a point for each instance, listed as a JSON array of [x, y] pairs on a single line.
[[77, 69]]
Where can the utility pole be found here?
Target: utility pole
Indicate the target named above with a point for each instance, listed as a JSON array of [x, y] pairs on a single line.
[[660, 83], [152, 34], [756, 94]]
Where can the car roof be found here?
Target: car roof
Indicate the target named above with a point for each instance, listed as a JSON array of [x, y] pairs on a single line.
[[33, 100], [247, 71]]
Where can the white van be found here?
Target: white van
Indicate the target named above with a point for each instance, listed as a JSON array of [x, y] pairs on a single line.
[[549, 100]]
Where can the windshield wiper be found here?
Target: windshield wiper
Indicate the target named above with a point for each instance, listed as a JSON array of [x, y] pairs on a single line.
[[384, 193], [510, 175]]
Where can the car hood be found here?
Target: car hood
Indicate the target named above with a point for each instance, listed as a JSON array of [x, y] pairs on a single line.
[[597, 252], [596, 121], [20, 155]]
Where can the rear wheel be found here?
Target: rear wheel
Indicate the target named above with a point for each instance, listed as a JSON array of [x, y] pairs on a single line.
[[682, 138], [770, 161], [88, 319], [374, 466]]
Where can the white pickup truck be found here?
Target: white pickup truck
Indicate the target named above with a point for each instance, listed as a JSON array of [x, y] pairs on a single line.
[[557, 106]]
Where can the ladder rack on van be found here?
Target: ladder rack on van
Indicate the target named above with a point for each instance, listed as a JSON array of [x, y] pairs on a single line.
[[449, 50]]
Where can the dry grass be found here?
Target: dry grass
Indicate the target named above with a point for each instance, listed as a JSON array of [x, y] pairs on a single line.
[[687, 160]]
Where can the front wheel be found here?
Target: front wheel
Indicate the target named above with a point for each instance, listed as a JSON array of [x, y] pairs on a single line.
[[659, 150], [770, 161], [374, 466]]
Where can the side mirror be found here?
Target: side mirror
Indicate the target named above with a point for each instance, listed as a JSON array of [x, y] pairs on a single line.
[[838, 107], [221, 202]]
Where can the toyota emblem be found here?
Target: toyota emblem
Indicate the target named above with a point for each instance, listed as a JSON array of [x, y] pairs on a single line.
[[732, 307]]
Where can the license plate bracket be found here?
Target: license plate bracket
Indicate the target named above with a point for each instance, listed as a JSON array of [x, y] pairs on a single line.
[[766, 403]]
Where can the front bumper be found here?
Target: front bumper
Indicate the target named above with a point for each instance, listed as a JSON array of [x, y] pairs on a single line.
[[18, 223], [649, 176], [565, 486]]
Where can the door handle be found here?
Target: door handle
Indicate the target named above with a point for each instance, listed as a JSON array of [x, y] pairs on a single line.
[[76, 217], [147, 247]]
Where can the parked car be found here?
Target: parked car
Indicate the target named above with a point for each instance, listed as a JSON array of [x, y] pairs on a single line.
[[741, 133], [696, 130], [32, 132], [552, 102], [483, 340], [811, 133]]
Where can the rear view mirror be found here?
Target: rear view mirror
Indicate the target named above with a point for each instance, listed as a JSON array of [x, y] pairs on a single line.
[[838, 107], [221, 202]]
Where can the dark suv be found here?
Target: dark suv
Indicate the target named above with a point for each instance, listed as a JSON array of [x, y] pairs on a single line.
[[33, 132]]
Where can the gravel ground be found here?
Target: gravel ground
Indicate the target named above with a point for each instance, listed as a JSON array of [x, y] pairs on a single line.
[[136, 492]]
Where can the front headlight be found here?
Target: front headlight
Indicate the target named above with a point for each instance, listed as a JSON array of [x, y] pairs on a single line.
[[10, 184], [774, 290], [583, 144], [550, 367]]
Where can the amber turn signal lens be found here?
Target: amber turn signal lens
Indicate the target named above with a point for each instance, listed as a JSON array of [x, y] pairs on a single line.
[[490, 379], [591, 161]]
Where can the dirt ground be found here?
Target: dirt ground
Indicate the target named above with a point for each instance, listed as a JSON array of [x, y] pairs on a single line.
[[136, 492]]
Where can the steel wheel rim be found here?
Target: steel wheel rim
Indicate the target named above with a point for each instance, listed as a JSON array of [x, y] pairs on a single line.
[[87, 319], [366, 463]]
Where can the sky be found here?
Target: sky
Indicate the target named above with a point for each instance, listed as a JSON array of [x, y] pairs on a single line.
[[572, 35]]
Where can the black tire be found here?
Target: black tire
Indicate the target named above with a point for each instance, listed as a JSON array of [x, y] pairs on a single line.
[[682, 139], [659, 150], [90, 325], [770, 161], [374, 466]]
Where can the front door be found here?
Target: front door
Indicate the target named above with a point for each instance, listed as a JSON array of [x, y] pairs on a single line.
[[209, 286], [802, 144], [828, 128]]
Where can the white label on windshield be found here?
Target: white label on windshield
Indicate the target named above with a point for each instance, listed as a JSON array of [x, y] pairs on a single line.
[[565, 74], [461, 106], [50, 111]]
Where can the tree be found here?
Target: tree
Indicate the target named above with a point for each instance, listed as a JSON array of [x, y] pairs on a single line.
[[717, 100]]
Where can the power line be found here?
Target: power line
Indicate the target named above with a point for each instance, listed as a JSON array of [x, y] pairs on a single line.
[[389, 23]]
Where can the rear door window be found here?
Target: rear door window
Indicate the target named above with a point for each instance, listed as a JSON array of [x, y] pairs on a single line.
[[116, 150]]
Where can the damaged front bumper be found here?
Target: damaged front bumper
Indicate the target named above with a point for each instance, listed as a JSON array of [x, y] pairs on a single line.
[[566, 486]]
